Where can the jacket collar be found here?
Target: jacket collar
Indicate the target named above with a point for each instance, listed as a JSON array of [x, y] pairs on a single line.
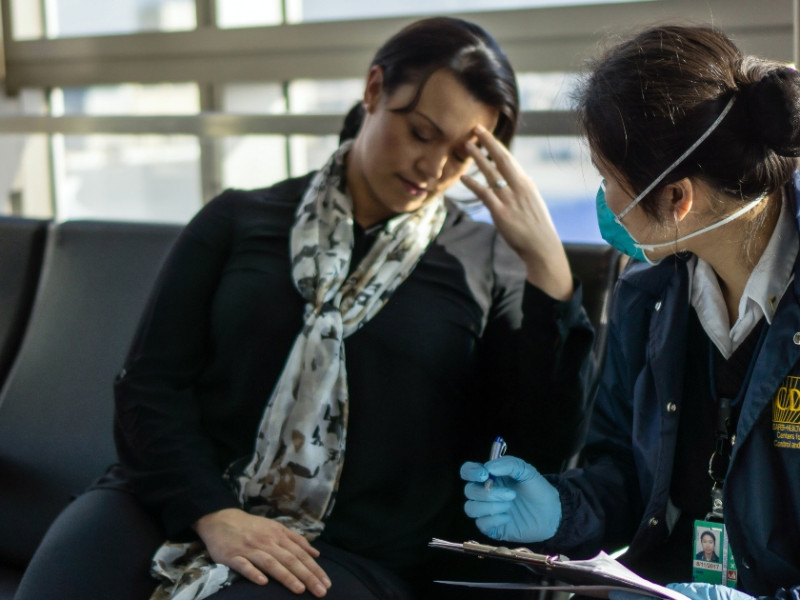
[[653, 278]]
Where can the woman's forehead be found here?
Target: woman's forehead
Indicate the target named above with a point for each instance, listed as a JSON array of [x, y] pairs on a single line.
[[446, 103]]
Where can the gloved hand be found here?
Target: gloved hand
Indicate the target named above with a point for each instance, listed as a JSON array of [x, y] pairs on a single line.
[[695, 591], [708, 591], [522, 506]]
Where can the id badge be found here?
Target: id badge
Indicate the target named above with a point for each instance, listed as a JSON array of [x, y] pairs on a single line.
[[712, 559]]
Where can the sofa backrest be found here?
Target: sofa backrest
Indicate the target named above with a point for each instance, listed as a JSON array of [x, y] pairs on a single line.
[[21, 251], [56, 408], [597, 266]]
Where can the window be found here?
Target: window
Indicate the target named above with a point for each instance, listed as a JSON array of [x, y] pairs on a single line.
[[245, 13], [253, 161], [24, 168], [567, 180], [258, 160], [144, 109], [71, 18], [248, 13], [131, 177]]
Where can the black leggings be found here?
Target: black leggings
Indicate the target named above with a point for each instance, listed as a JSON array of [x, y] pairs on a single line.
[[100, 548]]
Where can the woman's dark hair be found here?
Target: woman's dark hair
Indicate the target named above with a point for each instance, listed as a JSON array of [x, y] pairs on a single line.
[[708, 533], [649, 99], [465, 49]]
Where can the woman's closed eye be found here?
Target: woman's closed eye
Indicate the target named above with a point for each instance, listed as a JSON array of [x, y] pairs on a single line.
[[420, 135]]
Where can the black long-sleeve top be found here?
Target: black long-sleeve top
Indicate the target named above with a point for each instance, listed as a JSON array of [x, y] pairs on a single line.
[[463, 351]]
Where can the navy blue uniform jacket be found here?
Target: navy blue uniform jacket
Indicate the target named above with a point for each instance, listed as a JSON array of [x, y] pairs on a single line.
[[621, 496]]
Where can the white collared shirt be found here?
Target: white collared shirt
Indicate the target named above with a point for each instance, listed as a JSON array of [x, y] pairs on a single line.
[[765, 287]]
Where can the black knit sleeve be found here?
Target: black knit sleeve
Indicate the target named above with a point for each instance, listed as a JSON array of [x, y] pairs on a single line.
[[161, 442], [538, 365]]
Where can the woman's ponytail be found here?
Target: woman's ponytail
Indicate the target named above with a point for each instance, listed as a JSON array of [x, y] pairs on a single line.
[[773, 109], [352, 123]]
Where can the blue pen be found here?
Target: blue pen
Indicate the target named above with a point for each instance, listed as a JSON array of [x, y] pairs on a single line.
[[498, 450]]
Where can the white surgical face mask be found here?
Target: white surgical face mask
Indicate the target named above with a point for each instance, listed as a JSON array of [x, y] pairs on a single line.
[[615, 232]]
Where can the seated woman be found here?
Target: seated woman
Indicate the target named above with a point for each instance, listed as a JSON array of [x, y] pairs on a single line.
[[318, 357], [696, 419]]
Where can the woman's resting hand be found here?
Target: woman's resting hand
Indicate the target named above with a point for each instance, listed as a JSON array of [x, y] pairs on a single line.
[[259, 548]]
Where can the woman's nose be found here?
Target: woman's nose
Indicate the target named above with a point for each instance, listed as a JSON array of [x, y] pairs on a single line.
[[431, 164]]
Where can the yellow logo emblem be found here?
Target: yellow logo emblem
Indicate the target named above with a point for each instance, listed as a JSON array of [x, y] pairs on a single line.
[[786, 414]]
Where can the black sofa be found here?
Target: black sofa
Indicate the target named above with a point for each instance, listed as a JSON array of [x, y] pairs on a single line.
[[70, 297], [55, 404]]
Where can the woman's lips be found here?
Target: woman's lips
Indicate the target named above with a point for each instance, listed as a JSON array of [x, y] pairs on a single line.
[[413, 189]]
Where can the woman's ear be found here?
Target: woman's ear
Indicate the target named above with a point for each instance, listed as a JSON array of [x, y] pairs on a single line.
[[373, 88], [678, 198]]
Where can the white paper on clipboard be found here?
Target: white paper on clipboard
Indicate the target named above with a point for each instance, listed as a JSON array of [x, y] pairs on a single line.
[[592, 577]]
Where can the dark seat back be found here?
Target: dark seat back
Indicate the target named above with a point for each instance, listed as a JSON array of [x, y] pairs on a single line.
[[56, 409], [21, 250], [597, 266]]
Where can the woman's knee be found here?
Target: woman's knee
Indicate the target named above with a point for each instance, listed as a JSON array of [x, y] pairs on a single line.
[[99, 547]]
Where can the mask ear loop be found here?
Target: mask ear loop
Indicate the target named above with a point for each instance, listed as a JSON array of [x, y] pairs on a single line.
[[747, 207], [677, 232], [678, 160]]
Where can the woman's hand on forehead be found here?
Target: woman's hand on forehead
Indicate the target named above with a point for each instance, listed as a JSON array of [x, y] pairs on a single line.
[[519, 214]]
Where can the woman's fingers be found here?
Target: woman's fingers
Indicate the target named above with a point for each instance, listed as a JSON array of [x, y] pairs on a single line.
[[493, 526], [481, 191], [497, 164], [246, 569], [476, 509], [293, 568], [506, 184], [502, 158], [484, 164], [520, 215], [302, 542], [474, 471], [261, 549]]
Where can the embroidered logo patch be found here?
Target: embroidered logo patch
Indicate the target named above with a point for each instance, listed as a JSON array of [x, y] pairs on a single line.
[[786, 414]]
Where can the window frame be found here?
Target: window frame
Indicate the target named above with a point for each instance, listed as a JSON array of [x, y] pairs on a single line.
[[544, 39]]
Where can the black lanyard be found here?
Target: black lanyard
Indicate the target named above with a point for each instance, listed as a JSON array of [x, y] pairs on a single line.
[[725, 427]]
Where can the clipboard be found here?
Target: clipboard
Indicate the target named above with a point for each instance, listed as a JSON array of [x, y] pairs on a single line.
[[593, 577]]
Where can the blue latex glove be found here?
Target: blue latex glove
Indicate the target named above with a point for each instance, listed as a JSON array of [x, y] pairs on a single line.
[[522, 506], [708, 591], [695, 591]]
